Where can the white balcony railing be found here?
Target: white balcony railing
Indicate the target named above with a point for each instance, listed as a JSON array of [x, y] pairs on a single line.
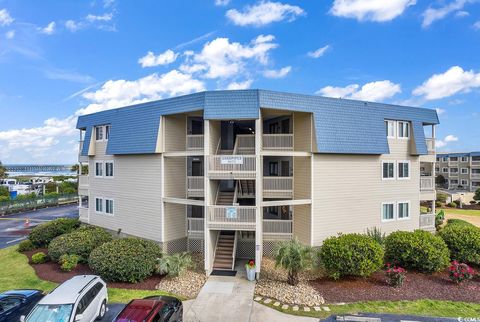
[[278, 141], [277, 229], [427, 183], [195, 227], [430, 145], [195, 142], [195, 186], [231, 217], [427, 221], [474, 162], [475, 175], [231, 167], [278, 187], [245, 143], [83, 180]]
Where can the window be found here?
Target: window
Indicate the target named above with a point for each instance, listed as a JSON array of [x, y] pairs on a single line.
[[464, 182], [438, 159], [445, 170], [454, 159], [388, 170], [84, 201], [390, 126], [453, 170], [475, 171], [454, 182], [437, 169], [9, 302], [98, 204], [107, 132], [273, 168], [475, 183], [108, 169], [98, 169], [403, 130], [445, 159], [388, 211], [109, 206], [464, 159], [403, 210], [99, 133], [404, 170], [464, 170]]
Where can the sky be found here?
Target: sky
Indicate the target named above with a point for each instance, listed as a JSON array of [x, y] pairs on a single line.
[[62, 59]]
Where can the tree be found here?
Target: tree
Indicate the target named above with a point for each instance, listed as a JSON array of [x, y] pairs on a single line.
[[75, 167], [293, 257], [477, 195], [3, 171], [4, 191], [440, 180]]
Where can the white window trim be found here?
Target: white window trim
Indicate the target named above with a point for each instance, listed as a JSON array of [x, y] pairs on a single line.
[[443, 170], [398, 131], [445, 159], [454, 182], [105, 169], [394, 211], [105, 132], [409, 170], [461, 171], [105, 204], [464, 159], [394, 170], [394, 129], [458, 170], [462, 182], [102, 203], [102, 167], [409, 210]]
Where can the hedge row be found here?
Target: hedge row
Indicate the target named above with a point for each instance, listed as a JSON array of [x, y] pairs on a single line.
[[43, 234]]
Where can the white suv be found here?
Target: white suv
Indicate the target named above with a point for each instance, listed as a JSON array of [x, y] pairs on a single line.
[[82, 298]]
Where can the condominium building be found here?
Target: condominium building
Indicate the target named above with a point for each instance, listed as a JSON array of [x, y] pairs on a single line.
[[460, 170], [232, 173]]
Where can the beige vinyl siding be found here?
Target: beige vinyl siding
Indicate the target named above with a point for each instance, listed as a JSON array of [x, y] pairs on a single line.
[[175, 177], [302, 177], [349, 192], [175, 132], [302, 127], [175, 221], [214, 135], [136, 191], [302, 223]]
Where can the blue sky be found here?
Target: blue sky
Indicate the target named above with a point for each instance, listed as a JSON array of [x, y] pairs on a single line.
[[61, 59]]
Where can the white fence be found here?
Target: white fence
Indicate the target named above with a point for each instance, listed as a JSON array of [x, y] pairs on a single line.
[[231, 217], [277, 229], [245, 143], [278, 141], [278, 187], [195, 142], [231, 167], [430, 145], [195, 227], [195, 186], [427, 221], [426, 183]]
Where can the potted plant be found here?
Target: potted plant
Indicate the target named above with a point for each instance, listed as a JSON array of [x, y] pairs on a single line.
[[251, 270]]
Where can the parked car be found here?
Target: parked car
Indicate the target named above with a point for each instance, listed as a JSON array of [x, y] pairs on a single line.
[[152, 309], [15, 303], [82, 298]]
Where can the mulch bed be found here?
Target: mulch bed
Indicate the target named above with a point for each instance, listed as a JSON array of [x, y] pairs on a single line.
[[51, 271], [417, 286]]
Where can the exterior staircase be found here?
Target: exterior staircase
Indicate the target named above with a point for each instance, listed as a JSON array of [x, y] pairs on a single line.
[[225, 198], [224, 253], [247, 187]]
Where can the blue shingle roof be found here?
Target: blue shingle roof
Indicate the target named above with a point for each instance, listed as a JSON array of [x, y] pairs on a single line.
[[459, 154], [341, 126]]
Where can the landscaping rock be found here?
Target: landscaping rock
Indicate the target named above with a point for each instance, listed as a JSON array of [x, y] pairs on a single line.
[[284, 307], [306, 309], [267, 301], [276, 304], [317, 308], [258, 298], [326, 308], [295, 308]]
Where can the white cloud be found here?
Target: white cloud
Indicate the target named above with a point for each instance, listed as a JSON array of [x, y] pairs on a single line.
[[150, 60], [462, 13], [10, 34], [104, 17], [264, 13], [118, 93], [48, 29], [319, 52], [440, 111], [375, 91], [240, 85], [73, 25], [5, 18], [221, 58], [433, 14], [453, 81], [370, 10], [222, 2], [448, 139], [476, 25], [451, 138], [66, 75], [280, 73]]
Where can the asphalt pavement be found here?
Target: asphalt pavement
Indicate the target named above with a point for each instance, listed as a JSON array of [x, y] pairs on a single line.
[[13, 228]]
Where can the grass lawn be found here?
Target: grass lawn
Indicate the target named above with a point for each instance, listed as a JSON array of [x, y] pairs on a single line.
[[15, 272], [455, 211], [419, 307]]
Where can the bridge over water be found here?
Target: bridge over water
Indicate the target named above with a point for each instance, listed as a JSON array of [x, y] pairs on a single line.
[[37, 167]]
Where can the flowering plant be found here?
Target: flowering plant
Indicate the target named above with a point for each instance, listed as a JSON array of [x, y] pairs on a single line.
[[250, 264], [460, 272], [395, 275]]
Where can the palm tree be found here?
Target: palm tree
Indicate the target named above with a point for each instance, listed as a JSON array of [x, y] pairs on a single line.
[[294, 257]]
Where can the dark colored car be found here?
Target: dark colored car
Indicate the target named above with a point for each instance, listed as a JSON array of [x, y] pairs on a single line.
[[152, 309], [16, 303]]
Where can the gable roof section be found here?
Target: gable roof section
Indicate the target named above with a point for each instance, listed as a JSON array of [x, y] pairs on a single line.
[[341, 126]]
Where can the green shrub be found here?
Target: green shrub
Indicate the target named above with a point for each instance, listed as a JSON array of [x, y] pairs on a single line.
[[43, 234], [463, 241], [125, 260], [418, 250], [294, 257], [174, 265], [351, 255], [80, 242], [439, 219], [439, 204], [442, 197], [452, 205], [39, 258], [68, 262], [25, 246], [460, 222], [376, 234]]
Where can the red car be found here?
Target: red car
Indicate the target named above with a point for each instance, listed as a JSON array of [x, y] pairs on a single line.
[[152, 309]]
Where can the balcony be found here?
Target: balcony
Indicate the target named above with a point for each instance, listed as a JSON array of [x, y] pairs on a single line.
[[81, 158], [195, 228], [474, 163], [231, 217], [427, 183], [195, 187], [231, 167], [245, 144], [278, 142], [427, 222], [274, 229], [475, 175], [278, 187], [195, 142], [84, 181], [430, 145]]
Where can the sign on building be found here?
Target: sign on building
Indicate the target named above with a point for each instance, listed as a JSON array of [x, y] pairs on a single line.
[[231, 159], [231, 213]]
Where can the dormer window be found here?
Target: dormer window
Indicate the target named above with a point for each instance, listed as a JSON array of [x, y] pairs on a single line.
[[99, 133], [390, 127], [107, 132], [403, 130]]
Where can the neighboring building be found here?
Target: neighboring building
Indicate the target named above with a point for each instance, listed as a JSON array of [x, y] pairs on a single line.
[[231, 173], [460, 170]]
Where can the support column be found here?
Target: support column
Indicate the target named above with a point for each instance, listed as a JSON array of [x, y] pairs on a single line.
[[207, 193], [258, 194]]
